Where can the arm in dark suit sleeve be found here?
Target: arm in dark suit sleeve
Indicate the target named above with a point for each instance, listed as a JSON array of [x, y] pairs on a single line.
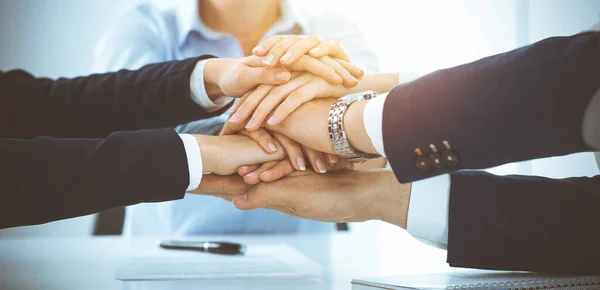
[[524, 223], [155, 96], [523, 104], [46, 179]]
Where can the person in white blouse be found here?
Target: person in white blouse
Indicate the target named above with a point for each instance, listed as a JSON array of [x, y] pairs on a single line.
[[227, 29]]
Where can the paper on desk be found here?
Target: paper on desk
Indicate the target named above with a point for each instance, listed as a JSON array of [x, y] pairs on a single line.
[[265, 261]]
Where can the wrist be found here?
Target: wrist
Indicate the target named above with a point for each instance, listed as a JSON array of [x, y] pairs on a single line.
[[209, 152], [392, 200], [355, 128], [213, 69]]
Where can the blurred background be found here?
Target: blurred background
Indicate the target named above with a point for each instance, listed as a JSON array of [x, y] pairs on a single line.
[[56, 38]]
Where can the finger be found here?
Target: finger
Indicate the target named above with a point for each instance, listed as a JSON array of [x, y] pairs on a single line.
[[267, 75], [330, 48], [231, 128], [320, 69], [246, 169], [250, 104], [253, 177], [353, 69], [296, 99], [237, 104], [272, 100], [332, 159], [278, 50], [349, 80], [264, 47], [299, 49], [263, 138], [293, 150], [316, 160], [212, 184], [281, 169]]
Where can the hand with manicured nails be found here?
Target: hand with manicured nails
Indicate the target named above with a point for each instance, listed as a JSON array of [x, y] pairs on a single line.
[[326, 59]]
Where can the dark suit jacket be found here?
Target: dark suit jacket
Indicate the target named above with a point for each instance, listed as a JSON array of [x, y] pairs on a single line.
[[519, 105], [73, 147]]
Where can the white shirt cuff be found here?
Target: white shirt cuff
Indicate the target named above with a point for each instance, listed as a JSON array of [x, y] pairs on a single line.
[[428, 210], [198, 90], [194, 159], [373, 120]]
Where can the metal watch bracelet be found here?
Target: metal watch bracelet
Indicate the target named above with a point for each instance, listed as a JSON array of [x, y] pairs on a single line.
[[337, 133]]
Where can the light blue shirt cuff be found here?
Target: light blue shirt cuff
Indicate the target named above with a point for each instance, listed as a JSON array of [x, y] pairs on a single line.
[[428, 210], [194, 159], [198, 90]]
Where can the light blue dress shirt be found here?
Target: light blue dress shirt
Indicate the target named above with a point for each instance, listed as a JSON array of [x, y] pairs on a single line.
[[150, 34]]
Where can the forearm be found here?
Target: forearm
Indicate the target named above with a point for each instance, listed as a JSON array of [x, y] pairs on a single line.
[[524, 223], [377, 82], [155, 96], [47, 179]]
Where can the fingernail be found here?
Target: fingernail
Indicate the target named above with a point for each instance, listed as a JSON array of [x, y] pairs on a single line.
[[269, 59], [315, 50], [251, 123], [235, 117], [286, 56], [272, 147], [333, 159], [321, 165], [301, 164], [283, 76], [244, 168], [241, 199], [253, 173], [272, 120], [259, 49]]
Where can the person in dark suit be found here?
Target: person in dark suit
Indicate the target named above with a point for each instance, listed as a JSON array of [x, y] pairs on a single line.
[[72, 147], [537, 101]]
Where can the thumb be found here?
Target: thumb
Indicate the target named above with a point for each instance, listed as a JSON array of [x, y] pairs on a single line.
[[250, 200]]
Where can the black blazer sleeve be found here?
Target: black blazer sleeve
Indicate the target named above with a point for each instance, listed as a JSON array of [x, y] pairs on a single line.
[[155, 96], [93, 165], [46, 179], [519, 105], [524, 223]]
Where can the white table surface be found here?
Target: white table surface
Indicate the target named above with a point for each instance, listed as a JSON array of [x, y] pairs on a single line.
[[90, 262]]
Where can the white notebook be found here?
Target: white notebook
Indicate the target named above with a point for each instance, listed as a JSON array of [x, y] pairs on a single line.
[[483, 280]]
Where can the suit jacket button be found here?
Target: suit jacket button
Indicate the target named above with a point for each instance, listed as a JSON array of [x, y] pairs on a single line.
[[450, 158], [436, 161], [423, 163]]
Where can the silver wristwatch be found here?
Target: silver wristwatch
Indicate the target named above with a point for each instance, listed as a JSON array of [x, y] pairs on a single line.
[[337, 134]]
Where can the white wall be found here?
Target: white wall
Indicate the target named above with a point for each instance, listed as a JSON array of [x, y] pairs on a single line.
[[56, 38]]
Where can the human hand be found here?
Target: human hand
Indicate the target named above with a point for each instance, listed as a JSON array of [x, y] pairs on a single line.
[[295, 152], [279, 101], [275, 170], [326, 59], [223, 155], [234, 77], [345, 196]]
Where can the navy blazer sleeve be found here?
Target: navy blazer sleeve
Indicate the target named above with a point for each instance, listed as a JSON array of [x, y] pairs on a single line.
[[72, 147], [524, 223], [155, 96], [523, 104]]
